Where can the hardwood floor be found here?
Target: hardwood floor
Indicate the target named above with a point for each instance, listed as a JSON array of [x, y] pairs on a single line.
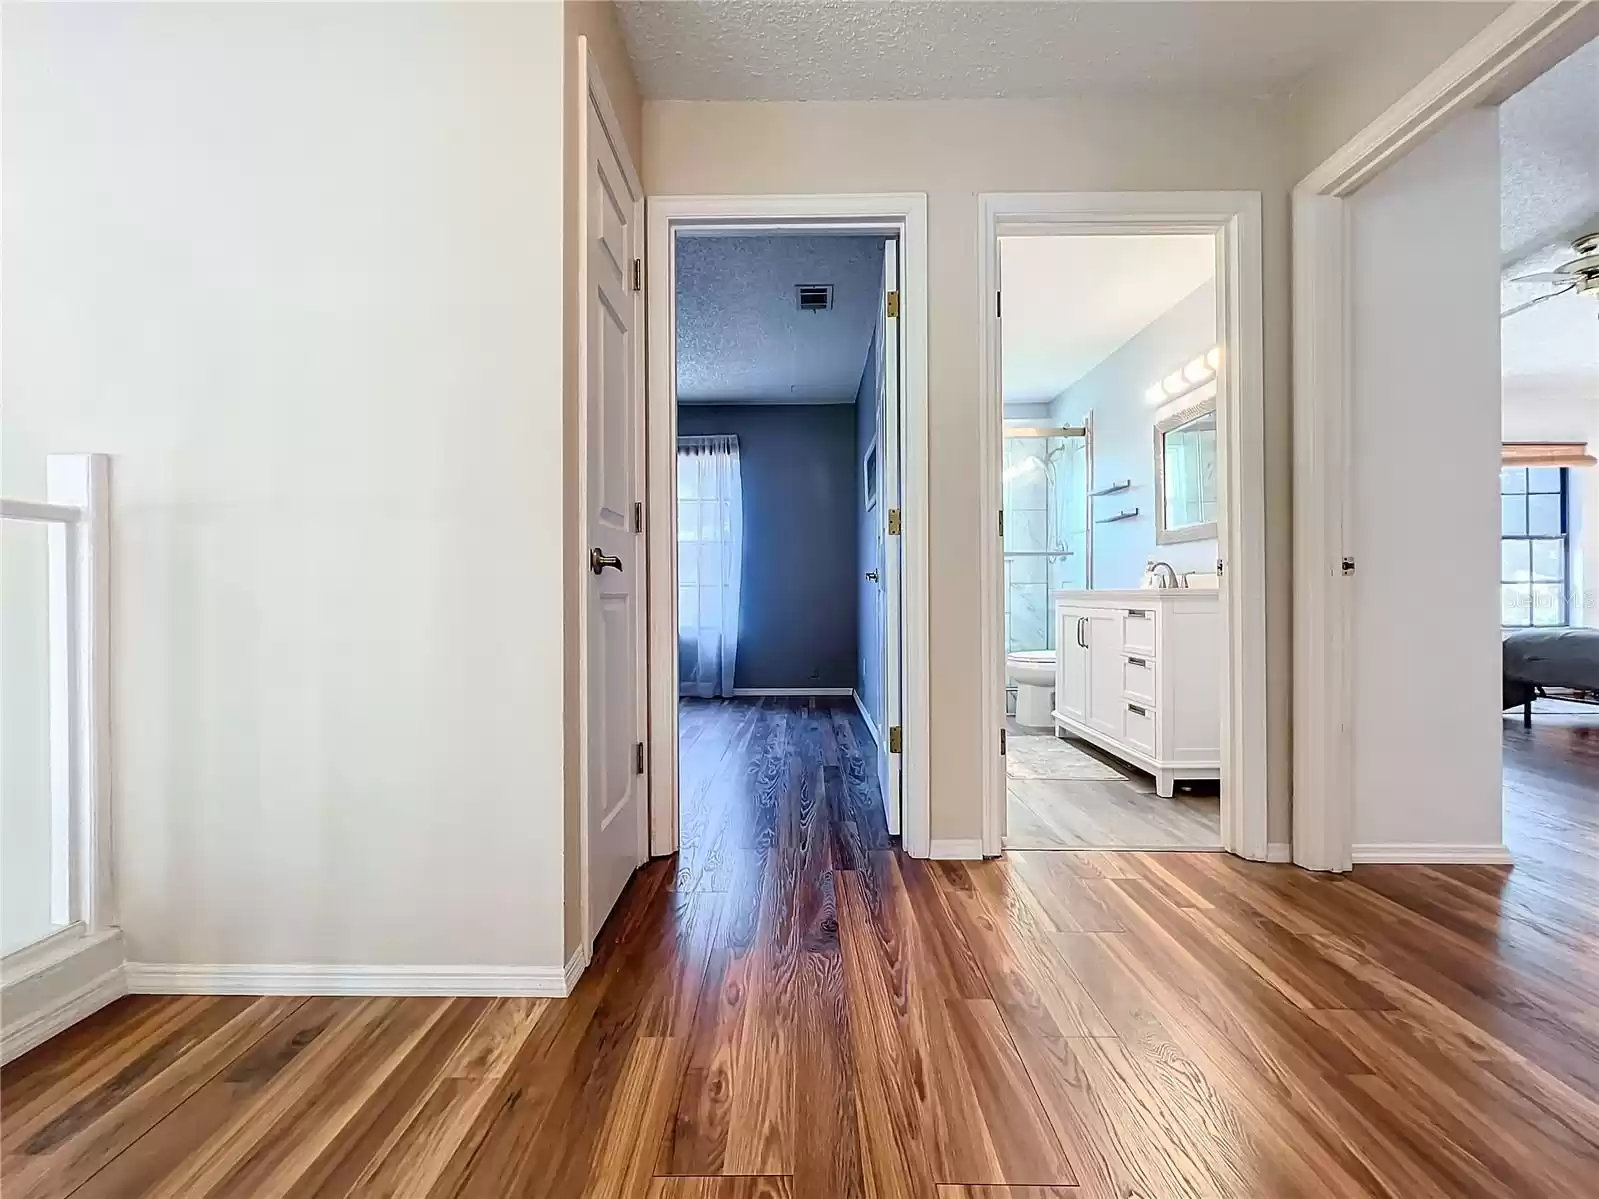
[[791, 1009]]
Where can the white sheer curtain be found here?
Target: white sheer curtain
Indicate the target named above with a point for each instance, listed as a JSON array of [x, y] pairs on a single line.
[[710, 556]]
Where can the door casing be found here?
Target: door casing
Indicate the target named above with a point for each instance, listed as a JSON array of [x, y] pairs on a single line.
[[1233, 219], [900, 215]]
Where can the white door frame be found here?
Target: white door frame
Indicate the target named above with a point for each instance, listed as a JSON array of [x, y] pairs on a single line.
[[1234, 219], [901, 215], [591, 89], [1515, 48]]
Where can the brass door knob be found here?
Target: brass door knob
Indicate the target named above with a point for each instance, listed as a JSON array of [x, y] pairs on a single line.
[[598, 561]]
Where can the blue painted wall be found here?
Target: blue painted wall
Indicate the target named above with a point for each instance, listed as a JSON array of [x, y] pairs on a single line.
[[869, 665], [798, 608]]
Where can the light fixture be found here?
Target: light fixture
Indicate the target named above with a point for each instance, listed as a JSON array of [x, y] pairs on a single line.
[[1196, 373]]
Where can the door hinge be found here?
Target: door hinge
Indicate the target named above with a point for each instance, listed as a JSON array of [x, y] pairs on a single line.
[[896, 739], [893, 305], [1348, 566], [1221, 568], [893, 522], [638, 274], [638, 758], [998, 307], [1002, 743], [638, 516], [1002, 522]]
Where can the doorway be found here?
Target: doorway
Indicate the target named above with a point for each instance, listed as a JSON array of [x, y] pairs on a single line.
[[809, 466], [1124, 589]]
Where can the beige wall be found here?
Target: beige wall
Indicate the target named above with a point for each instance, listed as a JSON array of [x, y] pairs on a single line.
[[1403, 42], [294, 267], [595, 19], [952, 151]]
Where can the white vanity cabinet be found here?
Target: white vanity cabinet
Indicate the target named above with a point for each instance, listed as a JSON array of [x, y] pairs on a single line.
[[1138, 673]]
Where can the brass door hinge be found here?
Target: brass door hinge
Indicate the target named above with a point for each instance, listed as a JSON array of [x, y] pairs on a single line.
[[893, 305], [638, 516], [638, 274], [1002, 523], [1002, 743], [638, 758], [893, 522], [896, 739]]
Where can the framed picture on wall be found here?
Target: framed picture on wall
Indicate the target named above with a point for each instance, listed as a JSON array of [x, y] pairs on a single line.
[[869, 475]]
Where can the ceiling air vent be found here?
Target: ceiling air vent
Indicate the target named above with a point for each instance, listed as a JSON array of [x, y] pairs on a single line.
[[814, 297]]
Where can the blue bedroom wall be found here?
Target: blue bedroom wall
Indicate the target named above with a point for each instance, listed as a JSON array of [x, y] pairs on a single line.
[[869, 667], [798, 622]]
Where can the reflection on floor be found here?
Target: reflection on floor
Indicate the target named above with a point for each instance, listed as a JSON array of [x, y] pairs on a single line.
[[1551, 787], [1066, 794]]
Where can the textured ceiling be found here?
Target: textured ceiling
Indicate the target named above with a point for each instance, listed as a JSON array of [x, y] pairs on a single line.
[[1549, 191], [741, 338], [1070, 302], [954, 49], [1549, 157]]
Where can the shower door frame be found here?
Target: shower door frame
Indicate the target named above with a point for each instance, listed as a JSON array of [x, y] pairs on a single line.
[[1234, 220], [1086, 432]]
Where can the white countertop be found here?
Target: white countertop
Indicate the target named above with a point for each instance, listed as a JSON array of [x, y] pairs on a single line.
[[1136, 595]]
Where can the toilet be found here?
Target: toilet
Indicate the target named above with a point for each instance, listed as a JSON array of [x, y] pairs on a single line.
[[1033, 673]]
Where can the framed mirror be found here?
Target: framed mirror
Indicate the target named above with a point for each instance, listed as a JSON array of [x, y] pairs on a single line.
[[1185, 474]]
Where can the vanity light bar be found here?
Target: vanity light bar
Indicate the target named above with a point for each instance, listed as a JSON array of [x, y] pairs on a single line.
[[1196, 373]]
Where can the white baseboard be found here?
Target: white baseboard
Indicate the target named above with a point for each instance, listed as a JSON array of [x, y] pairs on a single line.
[[866, 717], [154, 978], [969, 850], [1280, 851], [1398, 853], [576, 964], [790, 692], [75, 981]]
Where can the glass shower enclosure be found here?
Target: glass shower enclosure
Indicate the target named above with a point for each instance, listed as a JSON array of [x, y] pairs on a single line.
[[1047, 544]]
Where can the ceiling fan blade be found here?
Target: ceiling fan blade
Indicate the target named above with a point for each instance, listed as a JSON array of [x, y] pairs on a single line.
[[1508, 312]]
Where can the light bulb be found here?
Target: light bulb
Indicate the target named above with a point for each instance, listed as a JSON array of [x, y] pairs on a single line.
[[1213, 359], [1155, 394], [1196, 371], [1174, 383]]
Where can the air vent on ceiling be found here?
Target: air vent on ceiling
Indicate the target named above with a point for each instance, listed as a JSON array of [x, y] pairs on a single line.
[[814, 297]]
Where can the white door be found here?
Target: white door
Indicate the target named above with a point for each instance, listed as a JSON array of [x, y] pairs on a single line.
[[1071, 665], [888, 510], [615, 797], [1106, 706]]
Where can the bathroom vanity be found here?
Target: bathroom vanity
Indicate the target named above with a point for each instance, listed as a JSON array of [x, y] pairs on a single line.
[[1138, 673]]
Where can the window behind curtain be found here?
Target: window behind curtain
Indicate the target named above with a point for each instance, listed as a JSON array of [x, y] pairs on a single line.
[[1533, 550]]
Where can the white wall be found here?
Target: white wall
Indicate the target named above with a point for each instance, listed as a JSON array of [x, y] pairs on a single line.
[[1124, 438], [1426, 511], [952, 151], [299, 269]]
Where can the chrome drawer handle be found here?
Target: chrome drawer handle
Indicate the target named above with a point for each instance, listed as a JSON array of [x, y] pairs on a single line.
[[1138, 612], [1137, 662], [1137, 709]]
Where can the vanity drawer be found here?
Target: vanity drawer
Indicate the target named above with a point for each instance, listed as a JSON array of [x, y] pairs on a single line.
[[1138, 631], [1138, 728], [1138, 679]]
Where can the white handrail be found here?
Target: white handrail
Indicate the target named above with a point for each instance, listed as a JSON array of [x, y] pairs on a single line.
[[60, 514]]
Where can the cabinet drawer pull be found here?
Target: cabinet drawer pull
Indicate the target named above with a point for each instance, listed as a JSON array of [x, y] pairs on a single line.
[[1137, 662], [1141, 613], [1135, 708]]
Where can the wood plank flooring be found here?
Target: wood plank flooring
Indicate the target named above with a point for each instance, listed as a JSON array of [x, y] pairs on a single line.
[[791, 1009]]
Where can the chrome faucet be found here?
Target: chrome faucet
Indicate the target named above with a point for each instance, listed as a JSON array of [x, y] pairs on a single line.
[[1169, 579]]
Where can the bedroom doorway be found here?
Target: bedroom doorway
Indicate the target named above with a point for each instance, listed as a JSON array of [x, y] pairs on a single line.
[[789, 462]]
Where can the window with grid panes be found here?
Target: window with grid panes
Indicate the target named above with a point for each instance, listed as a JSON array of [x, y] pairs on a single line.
[[1533, 550]]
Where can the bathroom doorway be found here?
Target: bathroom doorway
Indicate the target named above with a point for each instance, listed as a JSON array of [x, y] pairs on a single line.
[[1116, 371]]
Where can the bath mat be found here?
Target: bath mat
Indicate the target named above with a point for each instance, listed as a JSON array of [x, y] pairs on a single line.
[[1051, 758]]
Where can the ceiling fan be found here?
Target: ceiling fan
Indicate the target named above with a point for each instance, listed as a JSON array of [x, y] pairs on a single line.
[[1580, 275]]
